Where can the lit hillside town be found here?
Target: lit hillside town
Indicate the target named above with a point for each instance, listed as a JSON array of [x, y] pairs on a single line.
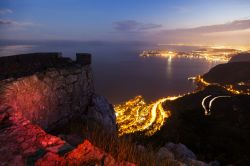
[[209, 54]]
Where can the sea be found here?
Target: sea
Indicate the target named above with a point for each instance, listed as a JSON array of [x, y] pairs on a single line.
[[119, 72]]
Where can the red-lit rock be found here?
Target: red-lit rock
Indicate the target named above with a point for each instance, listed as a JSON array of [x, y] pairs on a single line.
[[45, 94], [51, 159], [23, 143], [86, 154]]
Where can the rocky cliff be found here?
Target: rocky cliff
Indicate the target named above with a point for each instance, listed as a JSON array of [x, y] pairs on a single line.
[[23, 143]]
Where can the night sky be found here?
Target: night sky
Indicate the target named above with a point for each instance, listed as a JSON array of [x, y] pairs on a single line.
[[161, 21]]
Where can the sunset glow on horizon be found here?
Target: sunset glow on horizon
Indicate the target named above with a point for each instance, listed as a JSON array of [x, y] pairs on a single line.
[[225, 22]]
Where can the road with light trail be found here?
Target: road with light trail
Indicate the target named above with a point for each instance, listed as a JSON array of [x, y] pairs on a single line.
[[137, 116], [208, 111]]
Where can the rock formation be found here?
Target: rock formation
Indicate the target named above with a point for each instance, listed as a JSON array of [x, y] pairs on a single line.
[[23, 143]]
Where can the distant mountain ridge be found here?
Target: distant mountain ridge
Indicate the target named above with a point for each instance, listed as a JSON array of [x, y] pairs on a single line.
[[235, 71], [229, 73], [241, 57]]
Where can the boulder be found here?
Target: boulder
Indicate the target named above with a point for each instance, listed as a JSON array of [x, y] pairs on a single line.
[[192, 162], [177, 154], [87, 154], [180, 151], [51, 159], [164, 153], [102, 113]]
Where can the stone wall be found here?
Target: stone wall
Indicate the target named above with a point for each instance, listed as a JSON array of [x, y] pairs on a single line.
[[46, 88], [46, 91]]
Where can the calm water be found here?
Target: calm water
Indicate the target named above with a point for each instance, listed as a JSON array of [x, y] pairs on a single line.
[[119, 72]]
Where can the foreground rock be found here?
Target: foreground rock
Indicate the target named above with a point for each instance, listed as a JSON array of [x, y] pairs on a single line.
[[87, 154], [23, 143], [178, 154]]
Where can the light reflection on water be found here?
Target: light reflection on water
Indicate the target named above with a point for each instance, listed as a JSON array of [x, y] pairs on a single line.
[[169, 67], [120, 74]]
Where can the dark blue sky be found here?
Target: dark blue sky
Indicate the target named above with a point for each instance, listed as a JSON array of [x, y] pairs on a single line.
[[122, 19]]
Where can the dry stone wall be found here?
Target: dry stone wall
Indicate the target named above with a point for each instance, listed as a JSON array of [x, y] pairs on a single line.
[[46, 88]]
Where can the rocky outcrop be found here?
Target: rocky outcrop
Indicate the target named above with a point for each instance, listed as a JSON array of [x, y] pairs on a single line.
[[23, 143], [178, 154], [101, 112], [87, 154], [180, 151], [84, 154]]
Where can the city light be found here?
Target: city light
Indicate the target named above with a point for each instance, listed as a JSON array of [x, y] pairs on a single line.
[[137, 116], [217, 54], [230, 87]]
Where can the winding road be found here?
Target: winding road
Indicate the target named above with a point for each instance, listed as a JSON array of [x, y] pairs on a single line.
[[208, 111], [137, 116]]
